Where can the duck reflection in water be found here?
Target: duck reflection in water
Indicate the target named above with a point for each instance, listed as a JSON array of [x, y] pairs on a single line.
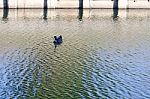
[[57, 40]]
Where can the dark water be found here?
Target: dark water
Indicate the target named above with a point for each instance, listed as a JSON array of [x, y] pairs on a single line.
[[102, 56]]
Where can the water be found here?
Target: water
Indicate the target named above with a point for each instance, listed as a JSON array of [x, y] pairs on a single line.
[[102, 56]]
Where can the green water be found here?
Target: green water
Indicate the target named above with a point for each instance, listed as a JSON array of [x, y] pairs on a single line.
[[101, 57]]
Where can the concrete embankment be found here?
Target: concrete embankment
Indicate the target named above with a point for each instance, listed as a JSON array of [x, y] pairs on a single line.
[[74, 3]]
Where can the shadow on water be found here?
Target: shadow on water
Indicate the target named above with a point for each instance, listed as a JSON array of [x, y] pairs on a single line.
[[45, 14], [115, 10], [115, 14], [5, 15], [45, 10], [80, 16]]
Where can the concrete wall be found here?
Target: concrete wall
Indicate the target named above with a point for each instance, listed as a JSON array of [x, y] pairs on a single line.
[[139, 4], [75, 4], [1, 4]]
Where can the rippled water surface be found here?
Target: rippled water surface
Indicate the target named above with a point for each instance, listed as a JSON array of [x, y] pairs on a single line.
[[102, 56]]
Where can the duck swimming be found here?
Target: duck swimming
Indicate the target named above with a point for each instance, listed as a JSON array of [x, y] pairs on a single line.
[[57, 40]]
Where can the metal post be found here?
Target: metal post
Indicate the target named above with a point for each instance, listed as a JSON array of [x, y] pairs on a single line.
[[80, 4], [115, 5], [45, 4], [5, 4]]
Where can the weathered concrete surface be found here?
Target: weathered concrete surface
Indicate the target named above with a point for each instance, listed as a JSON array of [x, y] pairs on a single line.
[[66, 4], [101, 4], [75, 4], [1, 4], [139, 4]]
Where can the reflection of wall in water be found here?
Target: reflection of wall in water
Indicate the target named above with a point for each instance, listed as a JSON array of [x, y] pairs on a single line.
[[73, 13]]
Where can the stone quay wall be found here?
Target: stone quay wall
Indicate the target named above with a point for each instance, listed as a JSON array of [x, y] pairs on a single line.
[[75, 4]]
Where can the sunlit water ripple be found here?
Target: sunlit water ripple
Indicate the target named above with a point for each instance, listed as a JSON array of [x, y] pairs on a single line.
[[100, 58]]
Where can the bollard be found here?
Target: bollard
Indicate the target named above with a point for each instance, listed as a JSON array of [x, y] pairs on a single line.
[[5, 4], [45, 4], [115, 5], [80, 4]]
